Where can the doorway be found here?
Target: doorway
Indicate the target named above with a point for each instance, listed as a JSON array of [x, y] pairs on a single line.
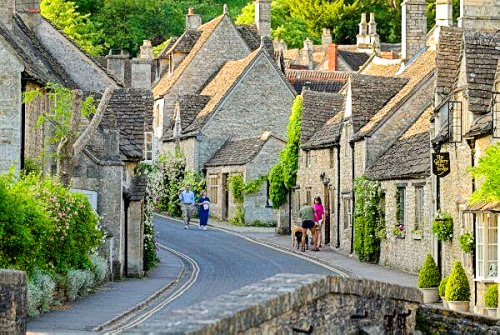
[[225, 197], [326, 206]]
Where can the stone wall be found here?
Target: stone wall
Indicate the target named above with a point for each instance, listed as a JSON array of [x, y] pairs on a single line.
[[407, 253], [218, 201], [10, 108], [414, 27], [34, 134], [260, 101], [13, 302], [346, 190], [479, 14], [432, 320], [287, 303], [188, 147]]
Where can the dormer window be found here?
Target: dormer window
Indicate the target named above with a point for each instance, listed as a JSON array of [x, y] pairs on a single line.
[[455, 121], [148, 146], [495, 109]]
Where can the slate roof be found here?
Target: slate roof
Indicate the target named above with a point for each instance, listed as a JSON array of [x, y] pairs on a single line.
[[448, 58], [321, 81], [237, 152], [482, 126], [190, 106], [132, 109], [408, 158], [417, 72], [328, 135], [354, 59], [369, 95], [39, 63], [317, 109], [482, 53]]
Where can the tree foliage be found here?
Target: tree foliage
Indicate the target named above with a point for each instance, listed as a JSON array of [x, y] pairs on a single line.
[[488, 173], [283, 175], [368, 218], [239, 189]]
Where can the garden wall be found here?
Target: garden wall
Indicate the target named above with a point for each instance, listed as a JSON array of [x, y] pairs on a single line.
[[13, 302]]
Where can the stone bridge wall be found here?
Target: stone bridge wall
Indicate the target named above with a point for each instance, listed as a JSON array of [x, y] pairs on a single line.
[[13, 302]]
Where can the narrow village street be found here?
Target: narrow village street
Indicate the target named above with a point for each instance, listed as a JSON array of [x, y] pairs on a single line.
[[226, 262]]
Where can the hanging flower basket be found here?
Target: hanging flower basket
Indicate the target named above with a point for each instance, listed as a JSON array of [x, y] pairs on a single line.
[[466, 241], [442, 226]]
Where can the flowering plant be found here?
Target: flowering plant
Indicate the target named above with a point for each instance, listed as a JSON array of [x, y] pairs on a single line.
[[442, 226], [466, 241], [399, 230]]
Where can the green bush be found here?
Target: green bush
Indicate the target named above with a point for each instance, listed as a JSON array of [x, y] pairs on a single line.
[[442, 226], [34, 298], [457, 287], [491, 296], [46, 284], [466, 241], [99, 268], [442, 287], [429, 275]]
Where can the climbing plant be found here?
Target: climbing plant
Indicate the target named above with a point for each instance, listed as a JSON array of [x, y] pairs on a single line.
[[239, 189], [369, 218], [283, 175]]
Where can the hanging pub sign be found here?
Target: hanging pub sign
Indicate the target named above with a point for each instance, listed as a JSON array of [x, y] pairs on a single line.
[[441, 164]]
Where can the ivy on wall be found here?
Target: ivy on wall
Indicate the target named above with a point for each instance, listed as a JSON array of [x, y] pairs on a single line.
[[283, 175], [369, 218], [239, 189]]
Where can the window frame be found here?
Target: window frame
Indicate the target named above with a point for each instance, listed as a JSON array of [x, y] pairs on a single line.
[[148, 144], [214, 188], [487, 227]]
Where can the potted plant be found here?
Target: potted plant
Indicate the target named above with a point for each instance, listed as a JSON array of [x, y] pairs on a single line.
[[442, 226], [429, 279], [466, 241], [442, 291], [458, 289], [491, 300], [399, 231]]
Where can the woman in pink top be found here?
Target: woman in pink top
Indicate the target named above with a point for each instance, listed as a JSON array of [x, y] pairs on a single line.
[[319, 212]]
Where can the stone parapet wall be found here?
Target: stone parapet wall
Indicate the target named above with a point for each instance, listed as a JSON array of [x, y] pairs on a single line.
[[431, 320], [288, 303], [13, 302]]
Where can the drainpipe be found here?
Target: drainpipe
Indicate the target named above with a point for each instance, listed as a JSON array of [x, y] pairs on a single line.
[[338, 196], [437, 149], [472, 145], [351, 144]]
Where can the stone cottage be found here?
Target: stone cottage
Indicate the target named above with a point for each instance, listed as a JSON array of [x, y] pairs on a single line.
[[465, 113], [251, 158], [34, 53]]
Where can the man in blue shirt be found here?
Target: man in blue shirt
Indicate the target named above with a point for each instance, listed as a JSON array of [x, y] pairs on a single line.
[[187, 203]]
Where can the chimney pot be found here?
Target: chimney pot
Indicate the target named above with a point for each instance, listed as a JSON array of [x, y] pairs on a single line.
[[190, 11]]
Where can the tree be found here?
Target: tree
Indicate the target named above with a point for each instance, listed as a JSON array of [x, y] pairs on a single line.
[[283, 175], [66, 115], [488, 172], [79, 28]]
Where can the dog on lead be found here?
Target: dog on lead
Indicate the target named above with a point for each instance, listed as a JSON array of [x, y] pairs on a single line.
[[297, 238]]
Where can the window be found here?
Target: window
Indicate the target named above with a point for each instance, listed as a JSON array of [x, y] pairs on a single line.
[[487, 246], [332, 158], [148, 146], [269, 203], [455, 121], [308, 158], [400, 198], [347, 211], [419, 207], [495, 109], [214, 188], [308, 196]]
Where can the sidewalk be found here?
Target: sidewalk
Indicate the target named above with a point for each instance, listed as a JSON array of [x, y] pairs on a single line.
[[329, 255], [114, 299]]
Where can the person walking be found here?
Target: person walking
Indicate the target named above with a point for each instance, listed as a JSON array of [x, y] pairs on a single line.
[[203, 209], [187, 202], [306, 213], [319, 213]]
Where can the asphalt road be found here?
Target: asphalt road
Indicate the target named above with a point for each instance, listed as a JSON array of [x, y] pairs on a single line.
[[227, 262]]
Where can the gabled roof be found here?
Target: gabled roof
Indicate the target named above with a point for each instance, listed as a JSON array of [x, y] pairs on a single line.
[[416, 73], [39, 63], [482, 52], [184, 43], [131, 109], [206, 30], [408, 158], [190, 106], [354, 59], [238, 152], [317, 109], [369, 94], [328, 135], [166, 49], [381, 67], [321, 81], [448, 59]]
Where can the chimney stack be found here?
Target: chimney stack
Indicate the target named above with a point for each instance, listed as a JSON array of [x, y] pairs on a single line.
[[7, 13], [332, 57], [326, 38], [479, 15], [363, 28], [28, 6], [413, 26], [146, 50], [308, 53], [116, 60], [263, 17], [193, 21], [444, 12]]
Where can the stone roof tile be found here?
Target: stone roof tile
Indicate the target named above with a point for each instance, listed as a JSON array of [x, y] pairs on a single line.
[[190, 106], [354, 59], [237, 152], [317, 109], [321, 81], [448, 59], [166, 49], [328, 135], [408, 157], [381, 67], [482, 126]]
